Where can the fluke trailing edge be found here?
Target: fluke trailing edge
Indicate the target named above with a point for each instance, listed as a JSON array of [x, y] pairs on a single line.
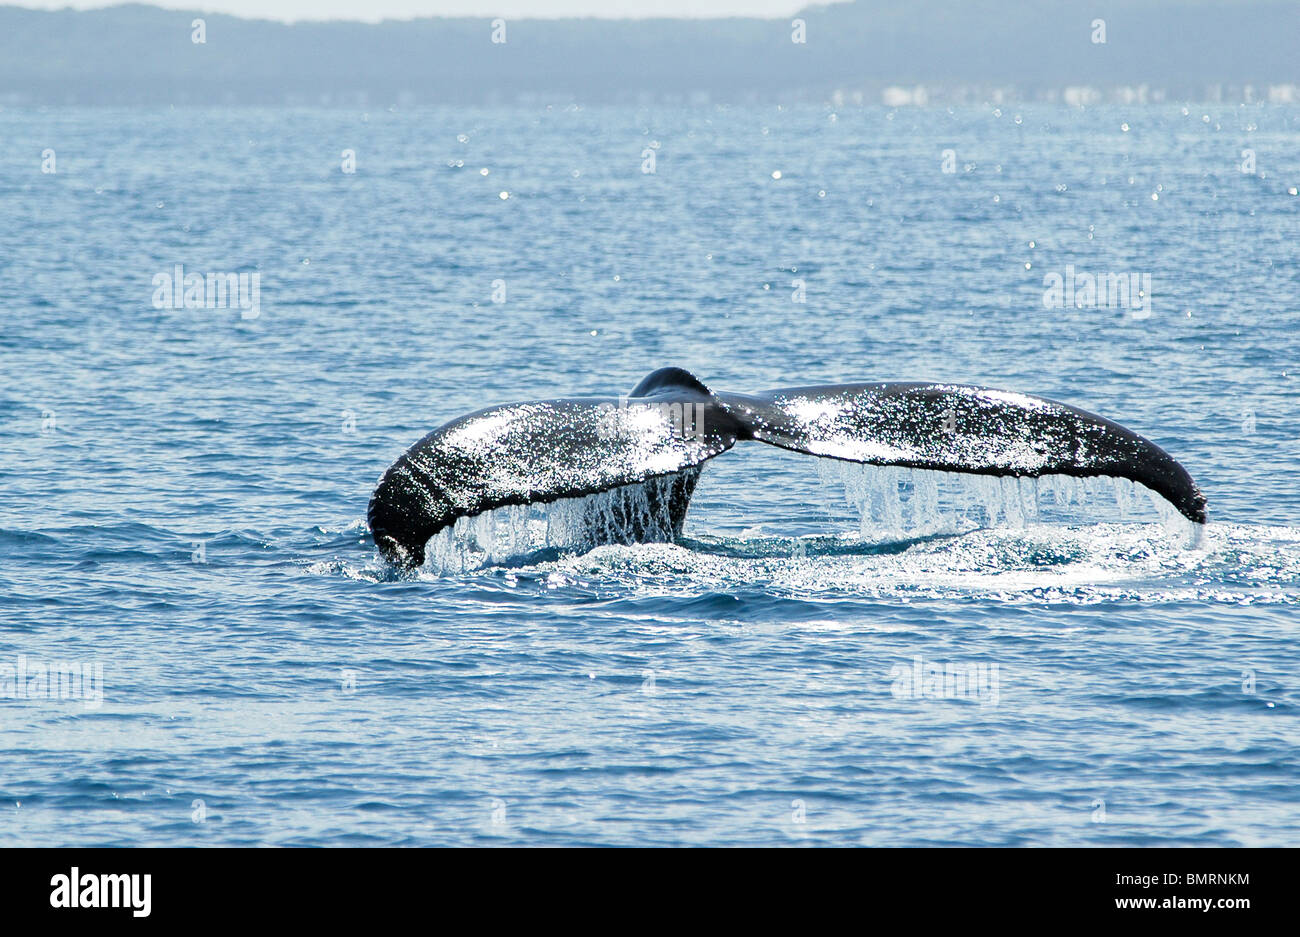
[[545, 450]]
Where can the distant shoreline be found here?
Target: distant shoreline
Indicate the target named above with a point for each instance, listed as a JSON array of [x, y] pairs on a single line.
[[928, 52]]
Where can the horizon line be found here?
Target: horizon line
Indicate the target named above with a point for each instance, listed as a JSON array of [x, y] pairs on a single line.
[[96, 7]]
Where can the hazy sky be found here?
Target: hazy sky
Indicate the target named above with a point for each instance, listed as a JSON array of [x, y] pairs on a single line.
[[372, 10]]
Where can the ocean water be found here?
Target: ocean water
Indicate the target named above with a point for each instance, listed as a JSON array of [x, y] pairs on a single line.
[[184, 490]]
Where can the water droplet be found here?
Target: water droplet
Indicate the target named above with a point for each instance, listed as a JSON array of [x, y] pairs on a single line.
[[821, 193], [504, 196], [775, 175], [1124, 127], [483, 171], [462, 138]]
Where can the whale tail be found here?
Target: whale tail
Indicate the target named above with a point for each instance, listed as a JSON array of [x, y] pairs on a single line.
[[536, 452], [962, 428], [671, 423]]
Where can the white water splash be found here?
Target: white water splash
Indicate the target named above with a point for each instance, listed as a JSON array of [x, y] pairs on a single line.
[[891, 503], [629, 514], [897, 503], [1083, 565]]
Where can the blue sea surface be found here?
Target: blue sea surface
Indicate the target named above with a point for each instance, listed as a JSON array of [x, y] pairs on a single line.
[[183, 491]]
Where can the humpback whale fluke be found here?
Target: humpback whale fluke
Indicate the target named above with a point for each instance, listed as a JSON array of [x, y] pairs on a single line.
[[545, 450]]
